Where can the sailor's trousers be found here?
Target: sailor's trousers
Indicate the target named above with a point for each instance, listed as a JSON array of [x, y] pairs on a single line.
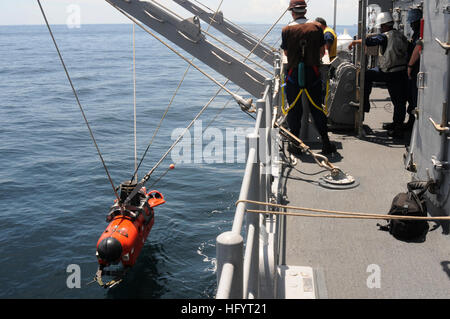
[[314, 87], [397, 85]]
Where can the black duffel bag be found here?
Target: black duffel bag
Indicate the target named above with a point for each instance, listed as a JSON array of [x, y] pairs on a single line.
[[409, 204]]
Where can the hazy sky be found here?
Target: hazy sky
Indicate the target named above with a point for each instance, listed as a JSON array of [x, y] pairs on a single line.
[[16, 12]]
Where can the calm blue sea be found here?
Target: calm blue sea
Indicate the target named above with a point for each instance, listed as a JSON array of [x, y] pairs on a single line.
[[54, 194]]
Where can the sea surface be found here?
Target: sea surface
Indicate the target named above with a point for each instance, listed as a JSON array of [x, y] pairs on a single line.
[[54, 193]]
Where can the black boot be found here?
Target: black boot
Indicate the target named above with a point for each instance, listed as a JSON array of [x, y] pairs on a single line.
[[410, 124], [294, 149], [397, 131], [327, 146], [388, 126]]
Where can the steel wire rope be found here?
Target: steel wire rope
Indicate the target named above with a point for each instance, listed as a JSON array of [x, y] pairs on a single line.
[[145, 29], [250, 53], [238, 98], [134, 100], [168, 107], [222, 86], [147, 176], [78, 100], [226, 82], [229, 100]]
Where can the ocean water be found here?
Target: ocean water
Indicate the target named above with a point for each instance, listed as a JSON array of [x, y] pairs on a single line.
[[54, 194]]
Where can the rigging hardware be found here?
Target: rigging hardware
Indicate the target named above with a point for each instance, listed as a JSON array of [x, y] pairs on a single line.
[[169, 105], [245, 104], [337, 179]]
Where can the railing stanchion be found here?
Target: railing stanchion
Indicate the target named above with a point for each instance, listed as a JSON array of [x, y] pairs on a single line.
[[238, 271], [229, 250]]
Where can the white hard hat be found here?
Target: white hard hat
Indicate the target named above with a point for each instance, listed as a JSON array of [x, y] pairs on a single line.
[[383, 18]]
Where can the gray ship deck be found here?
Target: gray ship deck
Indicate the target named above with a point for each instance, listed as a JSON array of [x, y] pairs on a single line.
[[340, 251]]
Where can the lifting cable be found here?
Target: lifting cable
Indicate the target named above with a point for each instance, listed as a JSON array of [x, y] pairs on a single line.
[[228, 102], [168, 106], [251, 52], [239, 99], [78, 101], [332, 213], [135, 176]]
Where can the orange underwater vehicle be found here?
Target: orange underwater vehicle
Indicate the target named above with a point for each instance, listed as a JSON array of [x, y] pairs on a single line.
[[129, 227]]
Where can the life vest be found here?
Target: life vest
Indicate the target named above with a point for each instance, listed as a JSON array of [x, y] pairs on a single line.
[[293, 35], [395, 56], [333, 49]]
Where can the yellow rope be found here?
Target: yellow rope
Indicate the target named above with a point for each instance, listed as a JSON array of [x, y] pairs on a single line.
[[327, 96], [283, 97], [283, 105], [324, 111], [294, 103], [336, 214]]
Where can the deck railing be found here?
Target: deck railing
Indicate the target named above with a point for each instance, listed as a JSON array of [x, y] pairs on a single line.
[[244, 270]]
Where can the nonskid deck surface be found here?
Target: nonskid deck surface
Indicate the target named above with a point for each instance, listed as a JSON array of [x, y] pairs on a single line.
[[353, 258]]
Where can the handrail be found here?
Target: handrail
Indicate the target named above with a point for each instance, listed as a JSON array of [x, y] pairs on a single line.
[[238, 272], [247, 191], [240, 209], [224, 289]]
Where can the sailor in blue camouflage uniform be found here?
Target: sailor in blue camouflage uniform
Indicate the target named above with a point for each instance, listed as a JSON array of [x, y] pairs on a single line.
[[392, 70]]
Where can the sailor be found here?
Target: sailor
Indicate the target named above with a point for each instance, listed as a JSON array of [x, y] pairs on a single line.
[[415, 48], [303, 44], [330, 38], [330, 54], [392, 69]]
